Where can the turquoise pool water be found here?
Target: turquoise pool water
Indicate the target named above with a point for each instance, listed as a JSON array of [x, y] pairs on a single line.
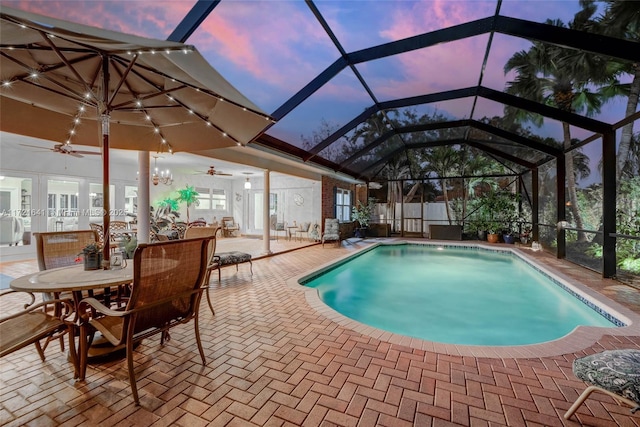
[[453, 295]]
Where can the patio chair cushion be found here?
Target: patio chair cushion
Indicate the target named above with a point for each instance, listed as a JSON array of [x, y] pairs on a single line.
[[617, 371]]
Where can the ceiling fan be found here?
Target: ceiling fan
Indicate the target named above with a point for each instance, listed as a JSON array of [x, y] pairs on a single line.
[[65, 149], [212, 171]]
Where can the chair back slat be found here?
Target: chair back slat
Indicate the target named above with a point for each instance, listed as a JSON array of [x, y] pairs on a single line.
[[163, 270], [61, 248]]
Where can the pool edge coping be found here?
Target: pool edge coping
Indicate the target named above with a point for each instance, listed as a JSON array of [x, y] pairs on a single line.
[[580, 338]]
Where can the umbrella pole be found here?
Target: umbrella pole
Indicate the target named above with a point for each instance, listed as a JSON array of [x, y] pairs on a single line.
[[106, 204]]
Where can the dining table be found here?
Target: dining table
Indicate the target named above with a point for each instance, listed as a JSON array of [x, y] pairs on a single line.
[[74, 279], [79, 282]]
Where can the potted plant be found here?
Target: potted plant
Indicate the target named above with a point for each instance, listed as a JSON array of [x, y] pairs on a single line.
[[362, 213], [92, 254], [499, 208]]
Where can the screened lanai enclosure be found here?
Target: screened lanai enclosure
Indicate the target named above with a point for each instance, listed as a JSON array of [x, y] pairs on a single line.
[[516, 118]]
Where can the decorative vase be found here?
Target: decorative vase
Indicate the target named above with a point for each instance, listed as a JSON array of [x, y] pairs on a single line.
[[492, 238], [509, 238], [93, 261]]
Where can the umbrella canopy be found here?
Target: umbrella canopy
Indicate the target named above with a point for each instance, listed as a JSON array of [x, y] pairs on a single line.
[[160, 95], [76, 84]]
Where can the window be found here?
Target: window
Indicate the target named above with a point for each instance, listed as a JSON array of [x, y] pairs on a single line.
[[51, 204], [343, 205], [211, 199]]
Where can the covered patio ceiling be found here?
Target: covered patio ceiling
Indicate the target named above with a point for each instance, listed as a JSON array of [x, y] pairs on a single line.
[[346, 75]]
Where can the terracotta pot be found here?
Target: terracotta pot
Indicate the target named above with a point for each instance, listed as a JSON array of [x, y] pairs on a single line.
[[492, 238]]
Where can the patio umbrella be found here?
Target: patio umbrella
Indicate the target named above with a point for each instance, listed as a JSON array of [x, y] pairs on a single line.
[[72, 83]]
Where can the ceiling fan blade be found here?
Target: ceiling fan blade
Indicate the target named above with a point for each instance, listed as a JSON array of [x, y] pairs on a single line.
[[74, 154], [223, 174], [35, 146], [87, 152]]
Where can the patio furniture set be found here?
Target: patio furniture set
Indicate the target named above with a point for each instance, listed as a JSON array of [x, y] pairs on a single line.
[[108, 310]]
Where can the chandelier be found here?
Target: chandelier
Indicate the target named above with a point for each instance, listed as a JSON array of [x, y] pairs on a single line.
[[164, 177]]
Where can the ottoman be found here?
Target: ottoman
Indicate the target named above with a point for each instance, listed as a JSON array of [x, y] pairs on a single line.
[[230, 258], [613, 372]]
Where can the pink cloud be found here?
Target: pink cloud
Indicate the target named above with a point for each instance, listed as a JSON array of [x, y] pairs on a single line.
[[154, 19], [266, 44]]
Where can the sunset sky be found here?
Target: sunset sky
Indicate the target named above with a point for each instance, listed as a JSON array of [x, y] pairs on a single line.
[[270, 50]]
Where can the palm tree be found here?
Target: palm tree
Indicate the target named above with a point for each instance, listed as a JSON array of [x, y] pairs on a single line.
[[621, 19], [189, 196], [545, 74]]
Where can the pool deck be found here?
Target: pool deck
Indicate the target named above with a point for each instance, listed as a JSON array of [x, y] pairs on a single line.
[[273, 360]]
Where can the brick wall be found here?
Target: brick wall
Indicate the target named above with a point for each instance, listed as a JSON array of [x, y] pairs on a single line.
[[328, 196]]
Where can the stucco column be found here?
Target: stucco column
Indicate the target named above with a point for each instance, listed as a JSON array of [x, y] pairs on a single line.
[[143, 197], [266, 229]]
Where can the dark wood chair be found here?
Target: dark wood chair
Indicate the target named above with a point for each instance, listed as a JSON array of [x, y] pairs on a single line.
[[166, 292]]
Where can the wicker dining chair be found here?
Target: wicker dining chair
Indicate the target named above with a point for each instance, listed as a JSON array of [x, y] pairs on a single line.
[[99, 229], [198, 223], [119, 233], [56, 249], [61, 248], [166, 291], [30, 323], [180, 227], [212, 264]]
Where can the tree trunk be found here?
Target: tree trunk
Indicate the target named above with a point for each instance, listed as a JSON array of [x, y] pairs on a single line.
[[412, 192], [571, 183], [627, 130], [443, 183]]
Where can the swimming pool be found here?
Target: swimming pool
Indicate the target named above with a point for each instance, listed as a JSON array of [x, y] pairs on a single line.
[[457, 295]]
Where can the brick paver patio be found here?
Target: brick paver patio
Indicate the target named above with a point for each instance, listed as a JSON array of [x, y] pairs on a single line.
[[273, 360]]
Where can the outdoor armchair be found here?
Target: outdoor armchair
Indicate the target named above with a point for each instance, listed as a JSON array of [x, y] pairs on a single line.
[[276, 226], [56, 249], [32, 322], [212, 263], [166, 292], [612, 372], [331, 231], [229, 226]]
